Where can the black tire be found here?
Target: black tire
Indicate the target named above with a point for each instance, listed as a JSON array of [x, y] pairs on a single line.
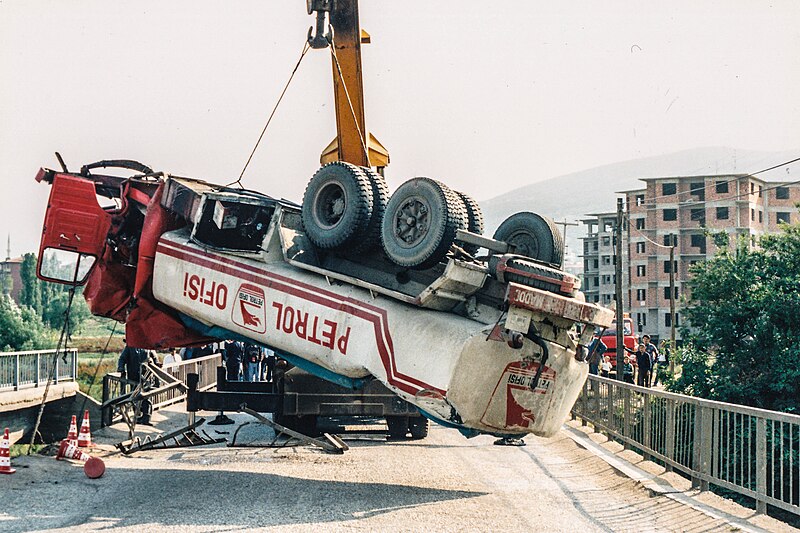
[[380, 197], [474, 220], [337, 206], [420, 223], [419, 427], [539, 276], [398, 426], [533, 236]]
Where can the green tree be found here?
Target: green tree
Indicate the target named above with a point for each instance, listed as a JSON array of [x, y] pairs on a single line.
[[31, 290], [21, 328], [744, 325]]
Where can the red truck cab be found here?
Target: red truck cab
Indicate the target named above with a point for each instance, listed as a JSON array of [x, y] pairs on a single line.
[[629, 338]]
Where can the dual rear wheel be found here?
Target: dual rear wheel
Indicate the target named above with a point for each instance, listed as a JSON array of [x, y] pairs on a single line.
[[347, 209]]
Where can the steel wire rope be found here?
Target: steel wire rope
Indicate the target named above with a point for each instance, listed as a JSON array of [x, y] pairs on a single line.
[[735, 196], [349, 102], [61, 340], [306, 47], [740, 176]]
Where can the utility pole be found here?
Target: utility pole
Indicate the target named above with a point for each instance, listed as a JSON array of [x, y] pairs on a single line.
[[564, 225], [672, 301], [618, 290]]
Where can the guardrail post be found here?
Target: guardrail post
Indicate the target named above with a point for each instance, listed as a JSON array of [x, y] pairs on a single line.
[[16, 372], [610, 409], [703, 445], [761, 465], [697, 435], [646, 425], [38, 368], [75, 365], [585, 403], [669, 429], [626, 416], [55, 373]]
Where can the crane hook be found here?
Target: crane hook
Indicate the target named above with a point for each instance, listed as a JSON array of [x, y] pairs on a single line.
[[323, 34]]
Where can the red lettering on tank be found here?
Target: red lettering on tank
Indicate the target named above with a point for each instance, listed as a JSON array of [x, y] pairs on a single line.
[[342, 342], [279, 307], [194, 281], [210, 293], [288, 320], [329, 333], [313, 337], [311, 328], [300, 324]]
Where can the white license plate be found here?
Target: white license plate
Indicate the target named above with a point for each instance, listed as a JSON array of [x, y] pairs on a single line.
[[518, 319]]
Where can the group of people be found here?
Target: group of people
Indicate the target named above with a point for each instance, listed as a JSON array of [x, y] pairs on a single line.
[[248, 362], [650, 362], [243, 362]]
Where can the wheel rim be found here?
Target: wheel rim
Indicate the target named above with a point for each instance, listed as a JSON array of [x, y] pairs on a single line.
[[524, 243], [329, 205], [411, 222]]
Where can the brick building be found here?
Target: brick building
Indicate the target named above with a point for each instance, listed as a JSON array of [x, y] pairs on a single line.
[[687, 207], [683, 208]]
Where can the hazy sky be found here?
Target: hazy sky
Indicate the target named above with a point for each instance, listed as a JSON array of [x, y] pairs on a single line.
[[485, 96]]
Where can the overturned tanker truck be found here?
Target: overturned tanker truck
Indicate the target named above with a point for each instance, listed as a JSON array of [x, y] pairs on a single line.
[[354, 286], [348, 286]]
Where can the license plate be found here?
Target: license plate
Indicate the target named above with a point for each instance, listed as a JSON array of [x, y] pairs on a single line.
[[518, 319]]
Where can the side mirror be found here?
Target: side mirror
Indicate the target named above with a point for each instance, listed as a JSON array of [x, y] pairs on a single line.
[[65, 266]]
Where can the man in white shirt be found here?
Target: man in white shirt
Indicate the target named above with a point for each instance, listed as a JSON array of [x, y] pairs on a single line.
[[172, 359]]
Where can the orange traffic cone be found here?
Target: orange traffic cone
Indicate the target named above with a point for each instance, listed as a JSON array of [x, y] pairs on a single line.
[[72, 435], [85, 436], [5, 456], [93, 467]]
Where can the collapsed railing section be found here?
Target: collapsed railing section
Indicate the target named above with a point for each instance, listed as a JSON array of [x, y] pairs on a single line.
[[20, 370], [750, 451], [114, 386]]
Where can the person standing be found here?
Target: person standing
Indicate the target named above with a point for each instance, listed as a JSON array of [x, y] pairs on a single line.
[[129, 366], [643, 362], [662, 361], [627, 371], [597, 349], [252, 362], [234, 354], [268, 365], [172, 359], [652, 351]]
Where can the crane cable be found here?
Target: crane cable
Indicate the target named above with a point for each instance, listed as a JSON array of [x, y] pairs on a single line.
[[349, 101], [306, 47], [62, 340]]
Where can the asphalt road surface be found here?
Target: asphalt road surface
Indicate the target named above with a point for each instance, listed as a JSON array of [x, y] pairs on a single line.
[[443, 483]]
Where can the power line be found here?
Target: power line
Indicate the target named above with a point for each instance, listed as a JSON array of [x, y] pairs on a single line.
[[691, 191]]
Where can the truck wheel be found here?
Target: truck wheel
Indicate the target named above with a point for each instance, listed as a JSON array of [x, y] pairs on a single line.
[[474, 219], [533, 236], [337, 206], [419, 426], [380, 197], [421, 222], [398, 426]]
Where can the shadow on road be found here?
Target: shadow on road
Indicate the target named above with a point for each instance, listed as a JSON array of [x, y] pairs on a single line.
[[171, 497]]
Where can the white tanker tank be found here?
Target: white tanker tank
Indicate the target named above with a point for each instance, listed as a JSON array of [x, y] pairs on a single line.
[[351, 285]]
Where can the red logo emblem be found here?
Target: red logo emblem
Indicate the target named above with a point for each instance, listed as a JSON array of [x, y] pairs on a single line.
[[249, 310]]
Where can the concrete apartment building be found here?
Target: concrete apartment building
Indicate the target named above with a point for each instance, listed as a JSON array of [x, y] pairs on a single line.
[[598, 258], [685, 207]]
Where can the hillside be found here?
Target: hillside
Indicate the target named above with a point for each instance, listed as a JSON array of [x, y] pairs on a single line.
[[572, 196]]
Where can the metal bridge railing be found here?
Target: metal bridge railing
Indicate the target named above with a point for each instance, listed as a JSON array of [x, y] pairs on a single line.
[[205, 367], [20, 370], [750, 451]]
